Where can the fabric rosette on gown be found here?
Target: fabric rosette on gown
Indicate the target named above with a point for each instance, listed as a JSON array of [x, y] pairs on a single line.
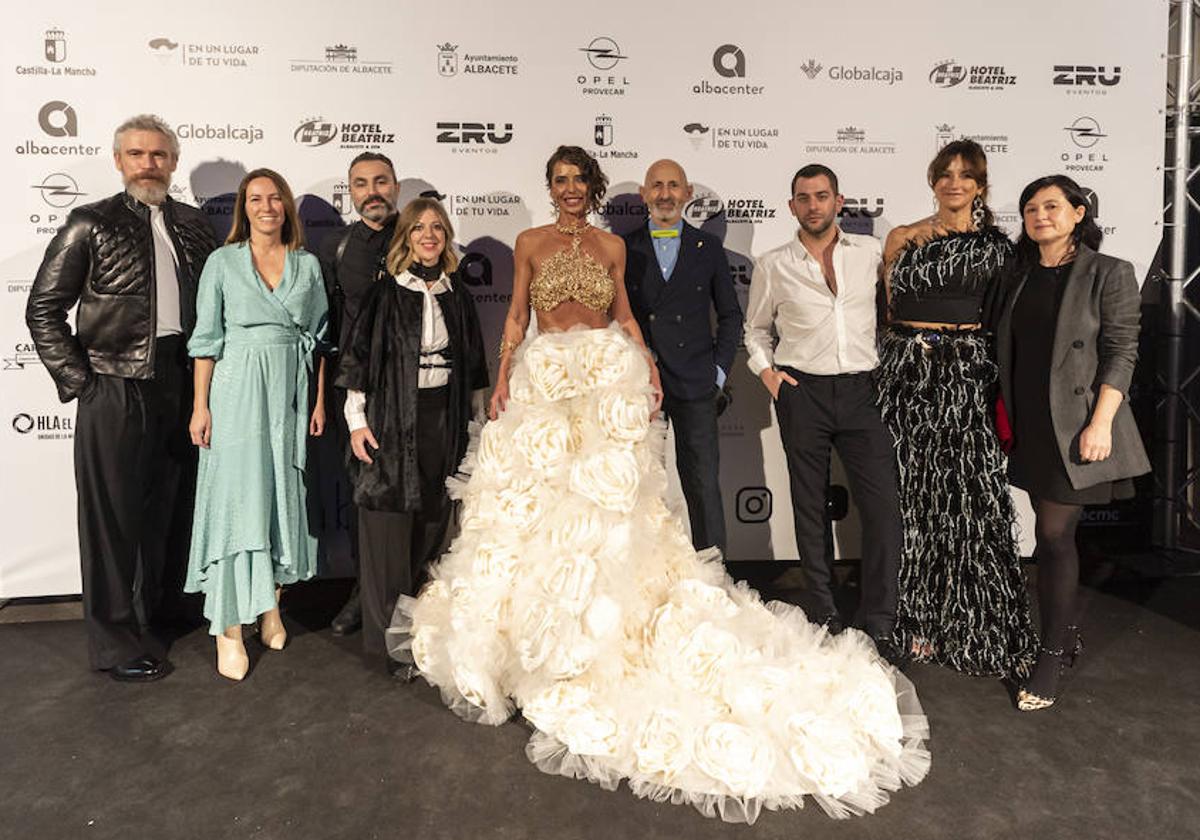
[[574, 595]]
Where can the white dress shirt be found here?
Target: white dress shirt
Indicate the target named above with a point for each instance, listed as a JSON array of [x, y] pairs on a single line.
[[434, 338], [819, 332], [168, 320]]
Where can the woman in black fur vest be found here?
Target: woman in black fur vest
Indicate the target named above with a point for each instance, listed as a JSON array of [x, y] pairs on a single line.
[[412, 363]]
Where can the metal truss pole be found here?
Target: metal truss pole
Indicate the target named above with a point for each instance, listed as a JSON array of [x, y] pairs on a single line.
[[1174, 465]]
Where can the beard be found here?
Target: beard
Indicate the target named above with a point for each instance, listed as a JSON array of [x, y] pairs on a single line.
[[379, 208], [665, 215], [819, 228], [149, 189]]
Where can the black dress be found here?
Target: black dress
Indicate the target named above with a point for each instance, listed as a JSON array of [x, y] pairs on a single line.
[[962, 589], [1035, 463]]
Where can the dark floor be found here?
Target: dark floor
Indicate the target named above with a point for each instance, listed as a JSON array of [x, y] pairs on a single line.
[[315, 745]]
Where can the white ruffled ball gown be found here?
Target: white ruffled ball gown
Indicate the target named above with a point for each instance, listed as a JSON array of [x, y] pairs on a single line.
[[574, 595]]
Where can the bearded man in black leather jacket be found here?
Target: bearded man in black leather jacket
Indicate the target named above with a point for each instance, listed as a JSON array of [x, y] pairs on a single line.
[[131, 262]]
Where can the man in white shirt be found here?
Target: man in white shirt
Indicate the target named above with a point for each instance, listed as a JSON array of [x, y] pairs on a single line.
[[818, 294]]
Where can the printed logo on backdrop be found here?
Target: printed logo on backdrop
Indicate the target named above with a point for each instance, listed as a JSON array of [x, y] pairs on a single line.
[[737, 210], [44, 426], [473, 138], [340, 198], [480, 205], [1008, 220], [858, 215], [1086, 79], [992, 144], [23, 355], [1093, 200], [183, 194], [54, 56], [741, 269], [604, 136], [729, 62], [204, 55], [603, 57], [950, 73], [318, 131], [57, 119], [474, 64], [341, 60], [753, 505], [1087, 153], [742, 139], [853, 73], [58, 191], [850, 140], [698, 135], [18, 287], [227, 132]]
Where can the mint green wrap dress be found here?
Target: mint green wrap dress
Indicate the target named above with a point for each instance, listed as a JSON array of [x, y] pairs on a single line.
[[250, 529]]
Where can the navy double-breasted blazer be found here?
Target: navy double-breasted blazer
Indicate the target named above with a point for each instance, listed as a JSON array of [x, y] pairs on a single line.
[[676, 313]]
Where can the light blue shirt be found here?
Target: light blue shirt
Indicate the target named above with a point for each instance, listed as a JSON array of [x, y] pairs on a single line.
[[666, 250]]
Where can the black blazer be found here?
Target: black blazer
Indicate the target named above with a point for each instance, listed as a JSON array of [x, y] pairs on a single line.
[[1095, 343], [675, 315]]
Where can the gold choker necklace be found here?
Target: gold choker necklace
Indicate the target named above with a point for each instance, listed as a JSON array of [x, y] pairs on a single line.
[[572, 230]]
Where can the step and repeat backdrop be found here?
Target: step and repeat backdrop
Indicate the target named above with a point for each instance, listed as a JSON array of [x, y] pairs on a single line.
[[469, 100]]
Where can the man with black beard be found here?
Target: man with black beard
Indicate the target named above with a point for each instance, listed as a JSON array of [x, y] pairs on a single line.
[[351, 259], [131, 262], [818, 293]]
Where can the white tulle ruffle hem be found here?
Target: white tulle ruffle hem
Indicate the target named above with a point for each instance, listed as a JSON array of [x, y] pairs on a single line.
[[574, 595]]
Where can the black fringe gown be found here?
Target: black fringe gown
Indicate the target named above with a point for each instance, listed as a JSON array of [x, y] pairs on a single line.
[[963, 601]]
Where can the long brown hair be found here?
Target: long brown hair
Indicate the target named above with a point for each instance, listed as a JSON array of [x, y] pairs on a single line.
[[974, 161], [292, 233], [400, 255]]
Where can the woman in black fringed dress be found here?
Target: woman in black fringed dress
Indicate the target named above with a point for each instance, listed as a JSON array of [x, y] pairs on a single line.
[[962, 592]]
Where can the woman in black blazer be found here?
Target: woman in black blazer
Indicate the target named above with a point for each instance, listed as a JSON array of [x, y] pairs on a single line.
[[1066, 342]]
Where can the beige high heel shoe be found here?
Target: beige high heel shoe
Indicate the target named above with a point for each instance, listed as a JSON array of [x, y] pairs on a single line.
[[270, 625], [232, 661]]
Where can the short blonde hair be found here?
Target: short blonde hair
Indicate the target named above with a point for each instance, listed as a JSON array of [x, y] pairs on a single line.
[[400, 255]]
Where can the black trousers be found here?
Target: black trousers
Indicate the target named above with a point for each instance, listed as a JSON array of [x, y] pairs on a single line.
[[697, 459], [396, 548], [841, 411], [135, 484], [342, 444]]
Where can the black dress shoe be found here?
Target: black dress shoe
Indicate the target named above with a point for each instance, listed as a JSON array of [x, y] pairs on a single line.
[[404, 672], [888, 651], [141, 669], [349, 620], [832, 624]]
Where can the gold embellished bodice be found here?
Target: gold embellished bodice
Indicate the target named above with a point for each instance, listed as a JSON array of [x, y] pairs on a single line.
[[571, 274]]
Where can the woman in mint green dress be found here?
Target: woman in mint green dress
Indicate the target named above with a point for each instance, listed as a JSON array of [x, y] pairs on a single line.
[[260, 312]]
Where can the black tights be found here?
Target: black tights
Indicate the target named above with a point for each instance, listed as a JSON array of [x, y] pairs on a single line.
[[1058, 569]]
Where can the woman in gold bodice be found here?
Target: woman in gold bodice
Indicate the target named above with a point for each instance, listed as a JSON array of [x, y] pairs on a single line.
[[571, 272], [574, 594]]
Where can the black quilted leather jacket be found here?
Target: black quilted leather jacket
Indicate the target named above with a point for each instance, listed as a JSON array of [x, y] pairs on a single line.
[[103, 259]]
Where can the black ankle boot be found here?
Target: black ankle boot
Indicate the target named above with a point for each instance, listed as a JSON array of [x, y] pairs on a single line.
[[349, 620]]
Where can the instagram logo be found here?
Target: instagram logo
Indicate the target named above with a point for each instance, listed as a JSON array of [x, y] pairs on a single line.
[[753, 504]]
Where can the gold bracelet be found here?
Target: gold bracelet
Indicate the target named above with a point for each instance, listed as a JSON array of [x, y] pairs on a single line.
[[506, 345]]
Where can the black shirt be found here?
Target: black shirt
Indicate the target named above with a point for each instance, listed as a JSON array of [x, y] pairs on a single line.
[[360, 264]]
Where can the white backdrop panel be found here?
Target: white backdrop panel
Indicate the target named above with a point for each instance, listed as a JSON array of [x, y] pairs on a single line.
[[470, 99]]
